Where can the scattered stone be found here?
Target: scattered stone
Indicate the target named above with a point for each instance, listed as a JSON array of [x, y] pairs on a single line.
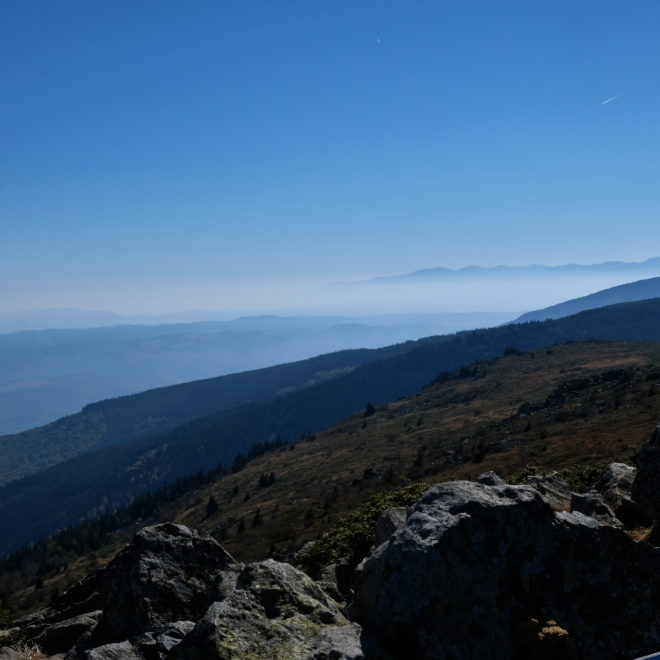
[[592, 504], [118, 651], [276, 612], [60, 637], [473, 569], [555, 489]]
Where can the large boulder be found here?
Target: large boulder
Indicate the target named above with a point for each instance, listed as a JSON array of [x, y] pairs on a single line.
[[492, 571], [646, 485], [275, 612], [168, 573], [615, 486]]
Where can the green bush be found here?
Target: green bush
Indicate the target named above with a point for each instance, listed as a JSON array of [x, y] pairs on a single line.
[[5, 618], [582, 477], [353, 534]]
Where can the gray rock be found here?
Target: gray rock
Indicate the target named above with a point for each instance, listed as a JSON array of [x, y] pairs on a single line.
[[490, 479], [156, 645], [172, 634], [7, 653], [61, 636], [476, 567], [168, 573], [592, 504], [615, 486], [335, 579], [118, 651], [555, 489], [388, 522], [646, 485], [9, 635], [276, 612]]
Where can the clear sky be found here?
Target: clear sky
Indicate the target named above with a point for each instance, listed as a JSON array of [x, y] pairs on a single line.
[[162, 155]]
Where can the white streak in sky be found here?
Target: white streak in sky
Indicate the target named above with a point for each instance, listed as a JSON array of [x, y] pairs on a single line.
[[606, 101]]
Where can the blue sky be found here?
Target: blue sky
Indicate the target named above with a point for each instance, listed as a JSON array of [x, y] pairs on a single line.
[[173, 155]]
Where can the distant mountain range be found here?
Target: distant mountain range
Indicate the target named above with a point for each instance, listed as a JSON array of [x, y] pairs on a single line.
[[490, 288], [641, 290], [650, 266], [161, 435], [46, 374]]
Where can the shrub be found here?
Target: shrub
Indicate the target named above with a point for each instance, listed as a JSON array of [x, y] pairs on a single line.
[[352, 535]]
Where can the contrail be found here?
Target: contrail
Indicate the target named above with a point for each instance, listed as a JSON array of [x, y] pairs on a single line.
[[606, 101]]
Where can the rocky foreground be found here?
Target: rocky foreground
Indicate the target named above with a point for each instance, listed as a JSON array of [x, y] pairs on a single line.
[[472, 570]]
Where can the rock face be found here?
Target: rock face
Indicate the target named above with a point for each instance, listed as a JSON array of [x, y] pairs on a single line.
[[646, 485], [616, 486], [472, 570], [592, 504], [475, 565], [168, 573], [175, 593], [277, 612], [554, 488]]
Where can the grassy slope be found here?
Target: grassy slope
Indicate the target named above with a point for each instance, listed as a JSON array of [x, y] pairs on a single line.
[[55, 498], [128, 418], [574, 415]]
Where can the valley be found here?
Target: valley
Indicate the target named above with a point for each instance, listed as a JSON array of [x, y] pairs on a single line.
[[571, 407]]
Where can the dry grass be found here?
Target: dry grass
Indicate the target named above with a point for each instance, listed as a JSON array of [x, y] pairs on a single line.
[[30, 652], [457, 429]]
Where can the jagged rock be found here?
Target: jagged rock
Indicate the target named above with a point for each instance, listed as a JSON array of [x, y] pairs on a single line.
[[646, 485], [490, 478], [615, 486], [83, 598], [555, 489], [168, 573], [276, 612], [388, 522], [61, 636], [592, 504], [7, 653], [116, 651], [474, 564], [335, 579], [156, 645]]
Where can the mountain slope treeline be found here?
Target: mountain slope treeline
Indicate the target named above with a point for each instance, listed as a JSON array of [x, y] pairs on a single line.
[[127, 418], [631, 292], [101, 480], [572, 407]]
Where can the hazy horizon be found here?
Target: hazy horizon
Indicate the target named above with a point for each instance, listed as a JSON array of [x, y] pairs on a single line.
[[501, 290], [241, 157]]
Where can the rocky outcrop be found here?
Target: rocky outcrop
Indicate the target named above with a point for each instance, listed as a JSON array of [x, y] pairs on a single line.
[[554, 488], [474, 566], [168, 573], [472, 570], [615, 486], [646, 485], [592, 504], [176, 593], [275, 612]]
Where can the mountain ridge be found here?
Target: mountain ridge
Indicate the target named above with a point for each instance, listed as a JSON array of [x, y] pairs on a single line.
[[630, 292], [51, 499]]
